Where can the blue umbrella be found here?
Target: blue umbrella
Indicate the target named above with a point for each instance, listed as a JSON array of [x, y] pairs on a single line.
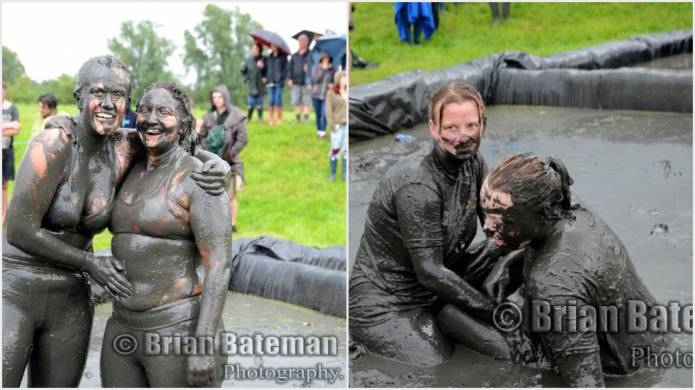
[[334, 45]]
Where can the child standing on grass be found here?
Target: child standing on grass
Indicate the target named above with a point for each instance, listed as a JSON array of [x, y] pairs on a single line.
[[336, 115]]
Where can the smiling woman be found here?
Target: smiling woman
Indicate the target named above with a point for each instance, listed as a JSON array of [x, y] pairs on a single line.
[[64, 195], [161, 214]]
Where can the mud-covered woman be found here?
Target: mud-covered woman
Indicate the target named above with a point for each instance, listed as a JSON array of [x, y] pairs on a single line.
[[63, 196], [573, 263], [415, 253], [175, 253]]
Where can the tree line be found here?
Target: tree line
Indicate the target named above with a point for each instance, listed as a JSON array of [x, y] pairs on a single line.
[[214, 51]]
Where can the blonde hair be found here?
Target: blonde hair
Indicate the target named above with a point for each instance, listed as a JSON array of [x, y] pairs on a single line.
[[455, 92]]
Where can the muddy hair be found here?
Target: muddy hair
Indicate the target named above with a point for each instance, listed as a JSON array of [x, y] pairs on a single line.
[[534, 184], [187, 134], [106, 61], [455, 92]]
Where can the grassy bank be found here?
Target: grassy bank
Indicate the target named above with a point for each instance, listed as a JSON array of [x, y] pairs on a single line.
[[465, 32], [288, 194]]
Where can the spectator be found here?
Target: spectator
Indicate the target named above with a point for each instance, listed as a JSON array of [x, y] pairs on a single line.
[[254, 71], [10, 128], [413, 19], [276, 74], [494, 8], [322, 76], [224, 133], [48, 108], [336, 115], [129, 118], [299, 69]]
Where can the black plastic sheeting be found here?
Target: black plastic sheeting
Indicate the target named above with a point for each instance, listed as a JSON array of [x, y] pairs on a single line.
[[279, 269], [587, 77], [283, 270]]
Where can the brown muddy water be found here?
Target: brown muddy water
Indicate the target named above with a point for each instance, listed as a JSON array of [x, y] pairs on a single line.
[[248, 315], [633, 168]]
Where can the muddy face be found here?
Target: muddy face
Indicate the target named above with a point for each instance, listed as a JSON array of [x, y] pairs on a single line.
[[506, 224], [158, 121], [460, 130], [105, 98]]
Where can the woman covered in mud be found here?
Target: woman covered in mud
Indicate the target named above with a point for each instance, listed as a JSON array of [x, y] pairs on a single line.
[[63, 197], [571, 260], [421, 219], [162, 233]]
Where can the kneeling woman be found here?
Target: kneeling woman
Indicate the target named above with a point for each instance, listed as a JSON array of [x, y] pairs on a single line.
[[164, 228], [572, 261]]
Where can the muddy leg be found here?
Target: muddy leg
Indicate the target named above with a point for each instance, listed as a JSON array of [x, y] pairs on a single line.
[[61, 348], [117, 368], [17, 336], [413, 337]]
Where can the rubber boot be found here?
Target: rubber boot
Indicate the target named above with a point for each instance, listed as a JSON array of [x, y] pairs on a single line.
[[334, 168], [249, 114], [271, 119], [505, 10], [260, 114], [344, 168], [279, 112], [297, 118]]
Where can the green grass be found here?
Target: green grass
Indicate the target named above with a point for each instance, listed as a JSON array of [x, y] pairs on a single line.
[[288, 194], [465, 32]]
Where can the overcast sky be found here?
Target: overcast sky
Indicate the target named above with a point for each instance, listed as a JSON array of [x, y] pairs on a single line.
[[55, 38]]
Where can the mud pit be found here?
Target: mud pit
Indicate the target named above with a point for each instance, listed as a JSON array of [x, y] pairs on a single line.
[[633, 168]]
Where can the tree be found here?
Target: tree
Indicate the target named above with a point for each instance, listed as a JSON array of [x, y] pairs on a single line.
[[12, 68], [62, 88], [216, 51], [145, 53]]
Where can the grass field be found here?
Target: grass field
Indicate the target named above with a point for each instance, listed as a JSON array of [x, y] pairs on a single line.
[[465, 32], [288, 194]]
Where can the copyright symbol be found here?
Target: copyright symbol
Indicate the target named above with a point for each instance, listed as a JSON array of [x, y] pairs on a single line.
[[125, 344], [507, 316]]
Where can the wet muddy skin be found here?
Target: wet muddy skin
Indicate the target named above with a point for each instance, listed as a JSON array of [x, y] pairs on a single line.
[[633, 168]]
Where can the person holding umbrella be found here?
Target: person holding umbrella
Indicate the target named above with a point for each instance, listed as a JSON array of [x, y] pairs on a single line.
[[254, 72], [276, 71]]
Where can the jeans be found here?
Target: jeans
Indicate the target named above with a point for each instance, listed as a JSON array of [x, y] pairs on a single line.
[[320, 110], [275, 92]]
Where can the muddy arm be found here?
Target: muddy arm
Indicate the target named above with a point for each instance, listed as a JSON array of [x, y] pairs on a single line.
[[215, 174], [213, 237], [419, 211], [39, 176]]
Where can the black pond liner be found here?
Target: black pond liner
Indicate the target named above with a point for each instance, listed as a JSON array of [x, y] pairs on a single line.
[[273, 268], [587, 78]]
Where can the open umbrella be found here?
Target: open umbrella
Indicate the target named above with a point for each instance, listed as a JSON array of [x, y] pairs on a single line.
[[310, 34], [335, 46], [267, 38]]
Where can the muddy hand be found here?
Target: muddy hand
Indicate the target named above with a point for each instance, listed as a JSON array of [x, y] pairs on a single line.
[[201, 370], [484, 261], [496, 283], [108, 271], [213, 177]]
